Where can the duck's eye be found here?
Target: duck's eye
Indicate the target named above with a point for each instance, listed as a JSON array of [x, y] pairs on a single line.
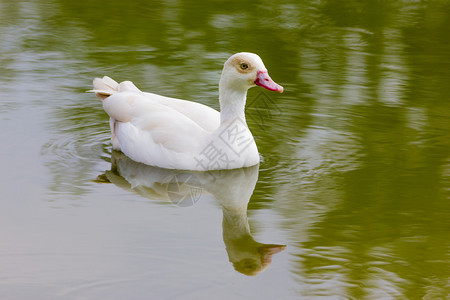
[[244, 66]]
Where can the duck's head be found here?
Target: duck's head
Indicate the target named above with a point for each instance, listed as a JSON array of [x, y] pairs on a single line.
[[244, 70]]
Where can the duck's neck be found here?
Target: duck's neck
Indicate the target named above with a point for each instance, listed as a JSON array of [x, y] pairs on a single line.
[[232, 103]]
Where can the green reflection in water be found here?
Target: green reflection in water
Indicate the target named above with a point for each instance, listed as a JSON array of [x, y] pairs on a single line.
[[357, 159]]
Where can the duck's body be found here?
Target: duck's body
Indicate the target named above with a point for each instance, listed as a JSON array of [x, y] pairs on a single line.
[[179, 134]]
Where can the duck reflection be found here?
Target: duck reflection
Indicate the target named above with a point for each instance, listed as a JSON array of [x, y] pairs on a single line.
[[232, 188]]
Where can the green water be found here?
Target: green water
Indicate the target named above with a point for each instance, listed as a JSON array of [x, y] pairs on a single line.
[[355, 178]]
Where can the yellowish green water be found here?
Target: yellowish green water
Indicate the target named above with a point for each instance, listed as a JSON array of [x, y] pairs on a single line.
[[351, 200]]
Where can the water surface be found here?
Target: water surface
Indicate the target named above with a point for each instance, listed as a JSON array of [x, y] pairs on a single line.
[[351, 200]]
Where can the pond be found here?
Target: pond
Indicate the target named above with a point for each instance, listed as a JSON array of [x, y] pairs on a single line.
[[350, 201]]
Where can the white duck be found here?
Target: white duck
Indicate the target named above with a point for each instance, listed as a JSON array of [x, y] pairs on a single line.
[[179, 134]]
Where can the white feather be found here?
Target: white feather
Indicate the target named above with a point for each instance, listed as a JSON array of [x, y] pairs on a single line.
[[179, 134]]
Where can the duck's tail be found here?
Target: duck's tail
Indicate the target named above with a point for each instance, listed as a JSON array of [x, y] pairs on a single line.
[[106, 86]]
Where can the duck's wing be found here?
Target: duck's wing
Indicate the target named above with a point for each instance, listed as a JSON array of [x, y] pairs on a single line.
[[166, 126], [205, 116], [154, 134]]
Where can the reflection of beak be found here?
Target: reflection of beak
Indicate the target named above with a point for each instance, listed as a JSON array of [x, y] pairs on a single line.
[[267, 251], [263, 79]]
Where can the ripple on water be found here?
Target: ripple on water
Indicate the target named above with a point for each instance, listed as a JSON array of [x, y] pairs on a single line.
[[74, 158], [78, 146]]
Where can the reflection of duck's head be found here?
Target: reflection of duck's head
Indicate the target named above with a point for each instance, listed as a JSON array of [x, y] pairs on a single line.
[[248, 256], [232, 188], [258, 259]]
